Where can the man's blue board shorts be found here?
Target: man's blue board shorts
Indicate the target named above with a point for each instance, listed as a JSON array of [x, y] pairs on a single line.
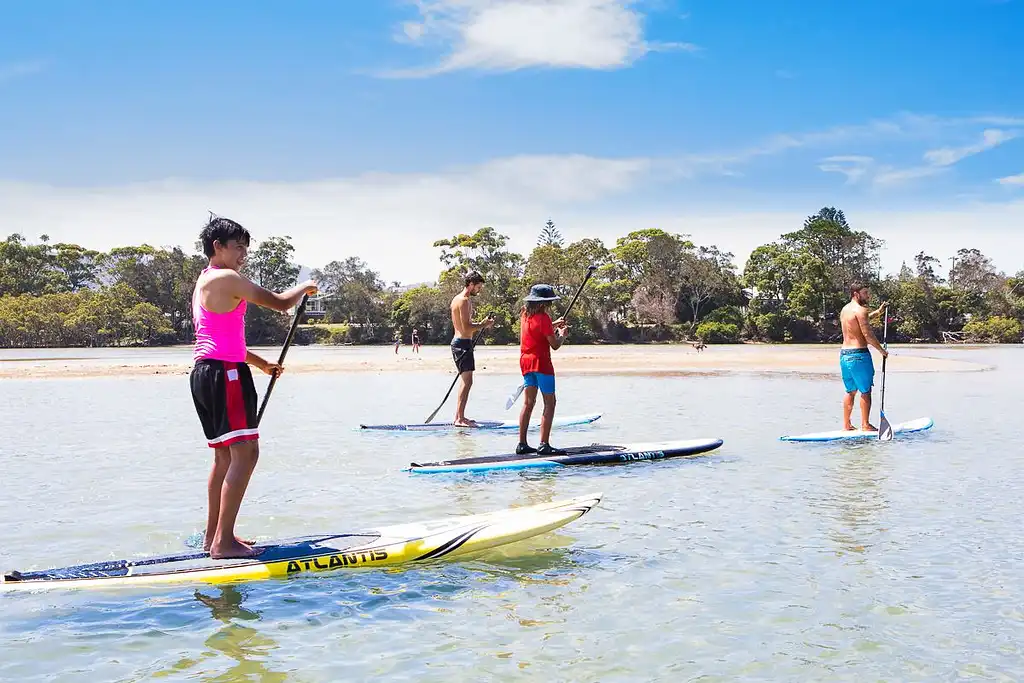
[[858, 369], [546, 383]]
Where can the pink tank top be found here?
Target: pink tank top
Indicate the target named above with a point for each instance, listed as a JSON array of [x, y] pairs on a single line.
[[220, 336]]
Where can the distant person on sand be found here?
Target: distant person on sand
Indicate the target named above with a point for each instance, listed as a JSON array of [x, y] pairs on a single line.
[[222, 388], [858, 370], [462, 343], [398, 340], [538, 336], [415, 340]]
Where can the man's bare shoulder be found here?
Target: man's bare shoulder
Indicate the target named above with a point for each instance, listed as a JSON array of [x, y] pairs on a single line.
[[853, 309]]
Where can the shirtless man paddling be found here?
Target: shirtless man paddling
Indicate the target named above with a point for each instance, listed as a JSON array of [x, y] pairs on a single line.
[[221, 383], [858, 370], [462, 343]]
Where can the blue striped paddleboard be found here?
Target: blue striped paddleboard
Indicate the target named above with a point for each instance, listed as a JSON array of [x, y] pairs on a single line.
[[567, 421], [919, 425], [595, 454]]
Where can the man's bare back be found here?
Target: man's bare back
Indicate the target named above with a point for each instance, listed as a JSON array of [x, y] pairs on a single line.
[[854, 318], [857, 333]]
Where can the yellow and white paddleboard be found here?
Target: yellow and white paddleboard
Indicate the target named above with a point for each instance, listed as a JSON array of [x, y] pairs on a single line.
[[390, 545]]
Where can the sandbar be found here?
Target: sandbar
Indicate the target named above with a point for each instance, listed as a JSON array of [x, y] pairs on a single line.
[[631, 359]]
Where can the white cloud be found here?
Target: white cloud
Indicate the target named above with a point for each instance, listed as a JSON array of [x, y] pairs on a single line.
[[388, 219], [937, 161], [391, 219], [9, 72], [505, 35], [947, 156], [892, 176], [852, 166], [1014, 180]]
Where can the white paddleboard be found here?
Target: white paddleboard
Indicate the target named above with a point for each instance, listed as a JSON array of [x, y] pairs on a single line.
[[909, 427]]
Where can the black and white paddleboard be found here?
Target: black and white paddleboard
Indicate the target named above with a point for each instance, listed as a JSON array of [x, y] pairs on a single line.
[[595, 454]]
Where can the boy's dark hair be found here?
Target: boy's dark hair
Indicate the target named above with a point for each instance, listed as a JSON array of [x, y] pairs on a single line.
[[220, 229], [472, 278], [856, 287]]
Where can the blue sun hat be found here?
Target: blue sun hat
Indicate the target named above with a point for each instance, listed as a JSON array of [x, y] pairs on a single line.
[[542, 293]]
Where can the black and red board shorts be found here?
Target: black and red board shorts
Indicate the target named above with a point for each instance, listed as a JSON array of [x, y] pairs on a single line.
[[225, 400]]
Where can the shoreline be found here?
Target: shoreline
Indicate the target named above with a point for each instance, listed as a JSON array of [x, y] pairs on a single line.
[[636, 359]]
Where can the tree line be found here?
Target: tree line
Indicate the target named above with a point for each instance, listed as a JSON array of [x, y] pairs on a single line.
[[651, 285]]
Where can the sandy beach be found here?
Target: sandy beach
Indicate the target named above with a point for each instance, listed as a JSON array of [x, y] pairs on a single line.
[[650, 360]]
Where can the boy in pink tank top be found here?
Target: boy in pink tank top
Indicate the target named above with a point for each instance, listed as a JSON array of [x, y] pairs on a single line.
[[222, 388]]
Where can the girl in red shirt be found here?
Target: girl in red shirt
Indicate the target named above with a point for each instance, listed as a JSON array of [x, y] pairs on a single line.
[[538, 335]]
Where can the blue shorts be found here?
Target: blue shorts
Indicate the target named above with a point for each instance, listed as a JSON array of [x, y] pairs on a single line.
[[858, 370], [546, 383]]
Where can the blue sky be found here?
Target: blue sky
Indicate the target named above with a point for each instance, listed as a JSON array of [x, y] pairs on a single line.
[[356, 127]]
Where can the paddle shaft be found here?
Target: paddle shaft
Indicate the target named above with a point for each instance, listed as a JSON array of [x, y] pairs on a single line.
[[590, 271], [284, 351], [885, 345]]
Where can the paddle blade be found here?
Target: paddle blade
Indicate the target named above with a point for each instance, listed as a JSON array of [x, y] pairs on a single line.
[[511, 401], [884, 429]]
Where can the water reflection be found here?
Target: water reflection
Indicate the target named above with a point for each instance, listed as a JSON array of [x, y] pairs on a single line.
[[858, 498], [245, 644]]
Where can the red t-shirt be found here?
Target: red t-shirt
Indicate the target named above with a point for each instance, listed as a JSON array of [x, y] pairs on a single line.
[[534, 352]]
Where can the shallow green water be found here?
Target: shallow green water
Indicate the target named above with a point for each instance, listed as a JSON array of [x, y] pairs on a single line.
[[766, 560]]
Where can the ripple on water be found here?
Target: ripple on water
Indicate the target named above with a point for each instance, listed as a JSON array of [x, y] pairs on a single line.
[[765, 560]]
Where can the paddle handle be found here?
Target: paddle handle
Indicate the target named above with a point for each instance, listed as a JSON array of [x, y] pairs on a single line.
[[284, 351]]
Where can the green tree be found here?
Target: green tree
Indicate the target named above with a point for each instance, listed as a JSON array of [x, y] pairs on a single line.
[[271, 267], [550, 236], [29, 268], [425, 309], [485, 251], [353, 292], [164, 278], [706, 275]]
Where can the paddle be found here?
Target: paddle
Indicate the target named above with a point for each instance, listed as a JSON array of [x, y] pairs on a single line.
[[284, 350], [455, 380], [884, 428], [519, 390]]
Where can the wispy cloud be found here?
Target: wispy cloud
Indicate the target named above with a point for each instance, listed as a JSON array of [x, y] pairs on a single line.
[[899, 127], [947, 156], [785, 74], [1012, 180], [895, 176], [942, 159], [506, 35], [860, 168], [14, 70], [853, 166]]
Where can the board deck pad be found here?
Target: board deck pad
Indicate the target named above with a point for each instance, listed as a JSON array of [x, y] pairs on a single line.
[[566, 421], [593, 454], [286, 549], [909, 427]]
